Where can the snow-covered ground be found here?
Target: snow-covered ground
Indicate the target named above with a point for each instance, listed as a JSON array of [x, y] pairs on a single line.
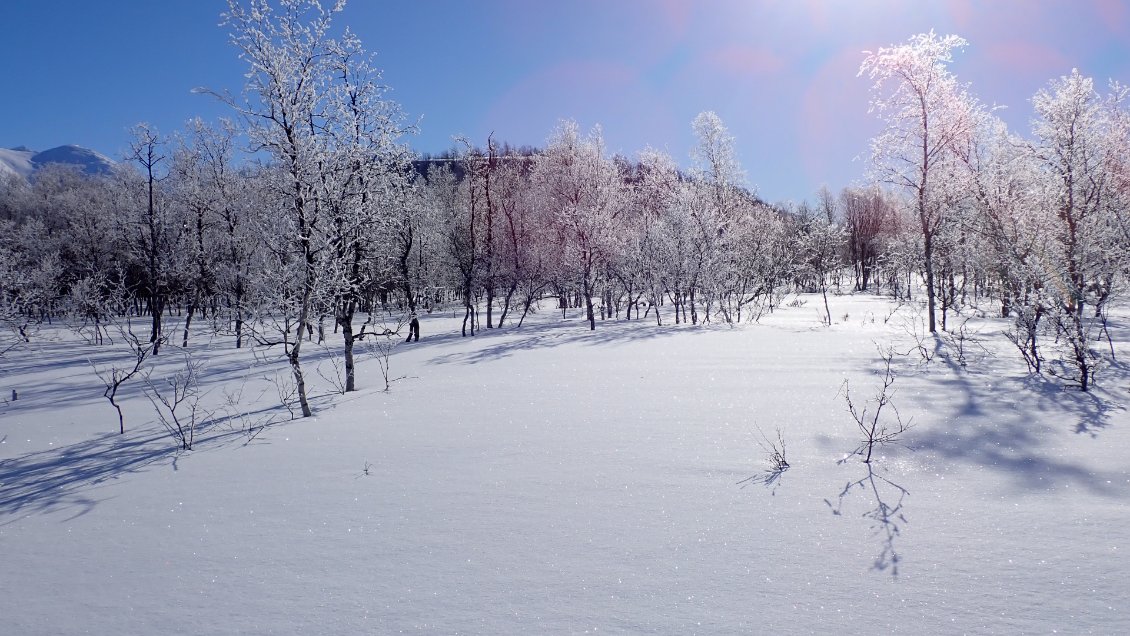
[[549, 479]]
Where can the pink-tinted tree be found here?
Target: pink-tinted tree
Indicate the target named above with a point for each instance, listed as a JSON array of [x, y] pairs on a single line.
[[925, 113], [580, 188]]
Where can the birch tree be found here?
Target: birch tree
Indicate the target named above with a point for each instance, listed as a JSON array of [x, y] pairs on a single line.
[[289, 53], [152, 227], [365, 168], [580, 187], [925, 113], [201, 183], [1076, 148], [315, 104], [717, 179]]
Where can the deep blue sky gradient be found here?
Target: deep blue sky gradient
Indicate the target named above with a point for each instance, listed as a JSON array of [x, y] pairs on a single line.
[[780, 73]]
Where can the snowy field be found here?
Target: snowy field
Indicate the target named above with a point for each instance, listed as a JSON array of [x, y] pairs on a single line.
[[550, 479]]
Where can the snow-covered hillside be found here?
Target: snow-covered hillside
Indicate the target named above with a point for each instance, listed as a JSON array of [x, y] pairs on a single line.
[[90, 161], [550, 479], [16, 161], [23, 162]]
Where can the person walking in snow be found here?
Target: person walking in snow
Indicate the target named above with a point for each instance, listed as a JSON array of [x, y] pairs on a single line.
[[414, 329]]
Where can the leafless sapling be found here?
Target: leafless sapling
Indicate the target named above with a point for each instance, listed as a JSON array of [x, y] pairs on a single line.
[[960, 342], [873, 427], [287, 390], [236, 414], [177, 401], [115, 376], [382, 336], [912, 325], [337, 374]]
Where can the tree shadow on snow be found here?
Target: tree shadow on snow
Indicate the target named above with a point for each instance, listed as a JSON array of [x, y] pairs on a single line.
[[63, 478], [1091, 412], [503, 343], [60, 359], [887, 516], [1005, 426]]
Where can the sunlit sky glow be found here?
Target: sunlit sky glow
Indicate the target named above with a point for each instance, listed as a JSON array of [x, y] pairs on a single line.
[[780, 73]]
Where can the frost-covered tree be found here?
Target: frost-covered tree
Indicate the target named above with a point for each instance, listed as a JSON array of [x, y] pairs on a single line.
[[239, 249], [364, 174], [201, 184], [817, 240], [716, 193], [413, 235], [289, 53], [31, 280], [925, 113], [657, 190], [633, 267], [155, 233], [484, 170], [519, 238], [315, 106], [458, 203], [762, 261], [715, 165], [867, 213], [1120, 162], [580, 186], [1009, 227], [1077, 148]]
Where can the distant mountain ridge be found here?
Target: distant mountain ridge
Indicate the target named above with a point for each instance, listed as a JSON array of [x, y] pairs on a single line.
[[24, 162]]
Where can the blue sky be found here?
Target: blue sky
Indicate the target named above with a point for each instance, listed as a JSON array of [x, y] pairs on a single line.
[[780, 73]]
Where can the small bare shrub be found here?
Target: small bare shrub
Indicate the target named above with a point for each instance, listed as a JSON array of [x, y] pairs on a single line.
[[961, 343], [113, 377], [238, 418], [177, 402], [873, 427], [914, 326], [287, 390], [775, 455], [381, 339], [336, 375]]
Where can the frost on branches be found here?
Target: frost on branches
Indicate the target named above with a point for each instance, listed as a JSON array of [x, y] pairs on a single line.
[[926, 113]]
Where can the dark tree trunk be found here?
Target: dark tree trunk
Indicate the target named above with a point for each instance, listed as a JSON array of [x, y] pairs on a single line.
[[187, 324], [506, 303], [346, 323]]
